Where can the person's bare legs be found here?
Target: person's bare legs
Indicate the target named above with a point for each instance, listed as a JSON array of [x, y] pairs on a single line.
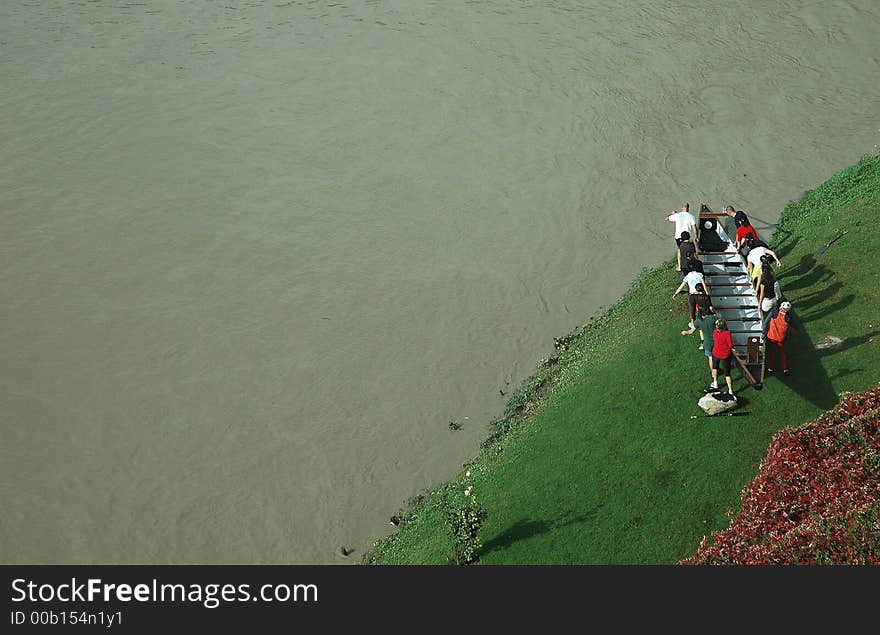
[[729, 381]]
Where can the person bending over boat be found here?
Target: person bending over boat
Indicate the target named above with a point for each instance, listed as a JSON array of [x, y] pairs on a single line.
[[699, 301], [742, 244], [758, 248], [751, 241], [744, 233], [766, 290], [691, 279], [684, 222], [694, 266], [693, 262], [722, 354], [705, 322], [777, 330], [686, 251], [697, 295], [739, 217]]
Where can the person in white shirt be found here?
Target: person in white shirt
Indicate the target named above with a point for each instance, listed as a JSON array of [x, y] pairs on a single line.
[[754, 260], [696, 288], [684, 222], [692, 278]]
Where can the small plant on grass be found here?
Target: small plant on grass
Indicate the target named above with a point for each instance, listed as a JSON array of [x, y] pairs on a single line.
[[464, 517]]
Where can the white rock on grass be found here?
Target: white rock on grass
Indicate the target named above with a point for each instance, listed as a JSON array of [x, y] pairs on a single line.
[[714, 406], [828, 341]]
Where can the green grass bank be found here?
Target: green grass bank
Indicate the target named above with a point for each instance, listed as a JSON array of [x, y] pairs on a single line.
[[596, 459]]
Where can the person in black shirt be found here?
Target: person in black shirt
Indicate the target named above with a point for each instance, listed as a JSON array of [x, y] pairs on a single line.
[[766, 291], [699, 302], [754, 243], [739, 216], [686, 251]]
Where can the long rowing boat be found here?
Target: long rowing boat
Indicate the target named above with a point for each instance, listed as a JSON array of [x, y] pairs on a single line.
[[727, 282]]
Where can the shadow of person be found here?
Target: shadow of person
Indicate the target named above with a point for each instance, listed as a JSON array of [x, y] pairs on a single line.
[[843, 372], [817, 297], [844, 302], [850, 342], [742, 402], [808, 378], [786, 247], [528, 528], [804, 265], [816, 275], [520, 530]]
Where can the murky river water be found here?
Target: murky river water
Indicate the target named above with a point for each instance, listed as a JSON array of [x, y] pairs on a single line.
[[256, 256]]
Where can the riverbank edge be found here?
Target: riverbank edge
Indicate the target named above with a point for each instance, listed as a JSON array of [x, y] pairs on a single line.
[[524, 403], [583, 345]]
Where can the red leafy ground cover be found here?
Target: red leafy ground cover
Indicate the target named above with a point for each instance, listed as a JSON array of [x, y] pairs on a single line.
[[816, 498]]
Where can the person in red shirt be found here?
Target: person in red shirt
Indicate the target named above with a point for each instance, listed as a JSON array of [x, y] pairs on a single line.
[[777, 331], [722, 354], [742, 234]]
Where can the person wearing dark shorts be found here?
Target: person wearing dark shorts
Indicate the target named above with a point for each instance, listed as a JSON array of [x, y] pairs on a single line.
[[705, 322], [684, 222], [766, 292], [699, 301], [692, 278], [722, 355], [721, 365]]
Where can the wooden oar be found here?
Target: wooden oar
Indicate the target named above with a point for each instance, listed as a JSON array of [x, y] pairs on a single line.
[[723, 414], [755, 384]]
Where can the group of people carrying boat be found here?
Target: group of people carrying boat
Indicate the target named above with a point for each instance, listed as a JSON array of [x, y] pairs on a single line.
[[716, 339]]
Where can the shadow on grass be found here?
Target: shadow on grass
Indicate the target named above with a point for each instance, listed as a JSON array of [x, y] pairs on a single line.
[[843, 372], [825, 311], [808, 378], [803, 267], [742, 403], [786, 247], [524, 529], [807, 272], [848, 343], [817, 297]]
